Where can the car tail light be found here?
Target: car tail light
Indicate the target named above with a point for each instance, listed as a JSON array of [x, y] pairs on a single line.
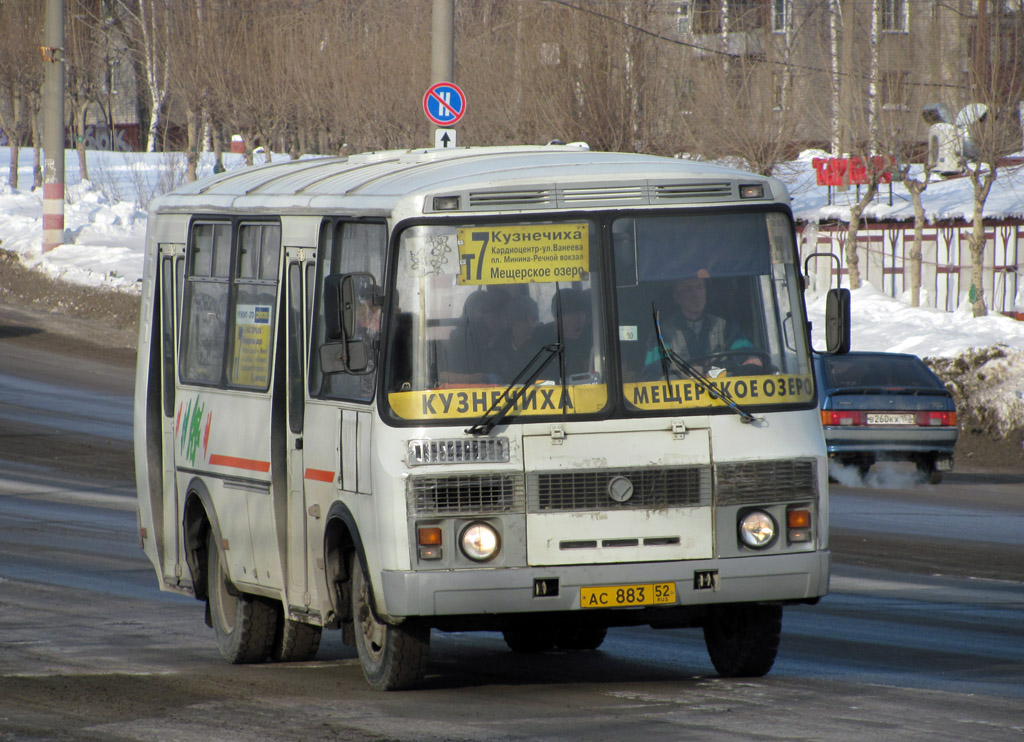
[[842, 417], [942, 419]]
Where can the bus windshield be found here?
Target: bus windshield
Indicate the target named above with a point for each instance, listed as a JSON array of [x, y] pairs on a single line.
[[722, 291], [475, 303]]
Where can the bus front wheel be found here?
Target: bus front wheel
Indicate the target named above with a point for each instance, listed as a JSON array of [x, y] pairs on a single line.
[[393, 657], [742, 640], [244, 625]]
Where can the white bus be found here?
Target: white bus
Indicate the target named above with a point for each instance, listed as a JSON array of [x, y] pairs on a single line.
[[470, 389]]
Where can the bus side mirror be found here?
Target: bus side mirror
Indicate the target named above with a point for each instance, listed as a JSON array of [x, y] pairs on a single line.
[[837, 321], [352, 321]]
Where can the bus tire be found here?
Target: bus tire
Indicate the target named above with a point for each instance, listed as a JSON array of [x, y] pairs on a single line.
[[393, 657], [742, 640], [581, 638], [529, 641], [244, 625], [295, 641]]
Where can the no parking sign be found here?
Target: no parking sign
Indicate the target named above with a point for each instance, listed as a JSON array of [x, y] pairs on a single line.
[[444, 103]]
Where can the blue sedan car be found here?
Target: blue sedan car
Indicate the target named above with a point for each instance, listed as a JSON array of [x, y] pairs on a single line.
[[885, 407]]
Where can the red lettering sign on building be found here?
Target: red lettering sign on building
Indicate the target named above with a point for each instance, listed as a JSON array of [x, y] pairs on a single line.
[[837, 171]]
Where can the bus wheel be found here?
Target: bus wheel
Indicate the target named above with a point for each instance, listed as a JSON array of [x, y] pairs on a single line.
[[583, 638], [529, 641], [295, 641], [392, 657], [742, 640], [244, 624]]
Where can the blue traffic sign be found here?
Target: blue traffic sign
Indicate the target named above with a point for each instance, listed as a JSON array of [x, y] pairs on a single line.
[[444, 103]]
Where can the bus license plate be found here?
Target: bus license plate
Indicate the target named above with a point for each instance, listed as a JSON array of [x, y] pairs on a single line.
[[618, 596], [888, 418]]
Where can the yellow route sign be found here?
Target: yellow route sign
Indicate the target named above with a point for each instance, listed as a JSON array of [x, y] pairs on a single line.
[[532, 253]]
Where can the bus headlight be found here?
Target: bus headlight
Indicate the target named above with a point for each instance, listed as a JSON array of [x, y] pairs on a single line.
[[757, 529], [479, 541]]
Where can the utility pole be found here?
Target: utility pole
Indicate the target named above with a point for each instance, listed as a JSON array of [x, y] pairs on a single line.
[[442, 42], [53, 126]]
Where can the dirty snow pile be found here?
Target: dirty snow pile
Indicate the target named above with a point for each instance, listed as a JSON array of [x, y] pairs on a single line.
[[105, 222]]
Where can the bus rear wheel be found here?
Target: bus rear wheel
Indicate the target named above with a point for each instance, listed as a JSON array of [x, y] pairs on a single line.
[[393, 657], [295, 641], [244, 625], [581, 638], [742, 640]]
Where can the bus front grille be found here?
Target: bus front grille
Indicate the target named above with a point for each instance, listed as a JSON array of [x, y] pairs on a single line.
[[759, 482], [466, 494], [619, 489]]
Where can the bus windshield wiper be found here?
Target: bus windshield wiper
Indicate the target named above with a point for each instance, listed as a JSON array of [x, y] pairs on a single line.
[[525, 378], [668, 356]]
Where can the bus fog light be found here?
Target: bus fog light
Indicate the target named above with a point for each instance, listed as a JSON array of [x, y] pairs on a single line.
[[479, 542], [757, 529]]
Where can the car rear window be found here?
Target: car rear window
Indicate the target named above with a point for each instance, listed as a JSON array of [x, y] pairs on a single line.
[[878, 371]]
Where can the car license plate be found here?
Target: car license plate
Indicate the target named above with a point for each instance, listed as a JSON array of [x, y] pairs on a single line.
[[890, 418], [618, 596]]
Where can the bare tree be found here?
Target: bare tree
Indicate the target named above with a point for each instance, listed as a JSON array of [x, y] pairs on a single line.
[[21, 74], [150, 26], [996, 85]]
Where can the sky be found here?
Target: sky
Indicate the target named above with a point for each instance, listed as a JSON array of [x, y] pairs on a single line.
[[105, 226]]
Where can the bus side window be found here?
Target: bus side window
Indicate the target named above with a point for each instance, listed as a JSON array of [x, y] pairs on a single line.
[[205, 312], [255, 302], [358, 247]]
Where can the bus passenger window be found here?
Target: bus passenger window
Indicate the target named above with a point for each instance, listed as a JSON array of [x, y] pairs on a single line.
[[206, 304]]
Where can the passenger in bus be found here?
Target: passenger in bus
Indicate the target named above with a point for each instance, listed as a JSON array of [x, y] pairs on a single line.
[[515, 344], [698, 336], [472, 352], [577, 334]]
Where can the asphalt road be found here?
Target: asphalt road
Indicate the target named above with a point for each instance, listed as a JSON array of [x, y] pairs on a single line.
[[921, 637]]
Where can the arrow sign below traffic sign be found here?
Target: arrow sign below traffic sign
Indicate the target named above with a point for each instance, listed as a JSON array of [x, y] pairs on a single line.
[[444, 103]]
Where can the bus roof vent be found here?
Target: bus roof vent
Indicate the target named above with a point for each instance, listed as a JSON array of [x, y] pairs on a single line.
[[620, 194], [700, 191], [535, 199]]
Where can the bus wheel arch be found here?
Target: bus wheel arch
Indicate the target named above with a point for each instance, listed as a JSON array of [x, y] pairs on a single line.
[[341, 540], [198, 522]]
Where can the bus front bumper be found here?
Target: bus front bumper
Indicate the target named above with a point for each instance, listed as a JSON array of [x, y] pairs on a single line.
[[783, 577]]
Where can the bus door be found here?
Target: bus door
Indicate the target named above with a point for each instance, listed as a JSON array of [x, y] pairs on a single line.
[[223, 416], [169, 284], [339, 414], [298, 262]]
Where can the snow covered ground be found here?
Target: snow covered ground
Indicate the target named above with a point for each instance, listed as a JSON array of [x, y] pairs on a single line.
[[105, 223]]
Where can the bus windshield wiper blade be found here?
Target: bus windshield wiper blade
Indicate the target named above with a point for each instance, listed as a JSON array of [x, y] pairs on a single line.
[[668, 356], [496, 413]]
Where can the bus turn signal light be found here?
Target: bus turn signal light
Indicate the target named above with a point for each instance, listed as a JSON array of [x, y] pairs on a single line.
[[798, 526], [429, 540]]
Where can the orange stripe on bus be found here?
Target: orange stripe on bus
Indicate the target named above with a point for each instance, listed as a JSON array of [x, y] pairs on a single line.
[[238, 463], [319, 475]]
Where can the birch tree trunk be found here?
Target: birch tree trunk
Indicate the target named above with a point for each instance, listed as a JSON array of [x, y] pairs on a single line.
[[852, 259], [982, 185], [873, 122], [154, 52], [916, 188], [834, 20]]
